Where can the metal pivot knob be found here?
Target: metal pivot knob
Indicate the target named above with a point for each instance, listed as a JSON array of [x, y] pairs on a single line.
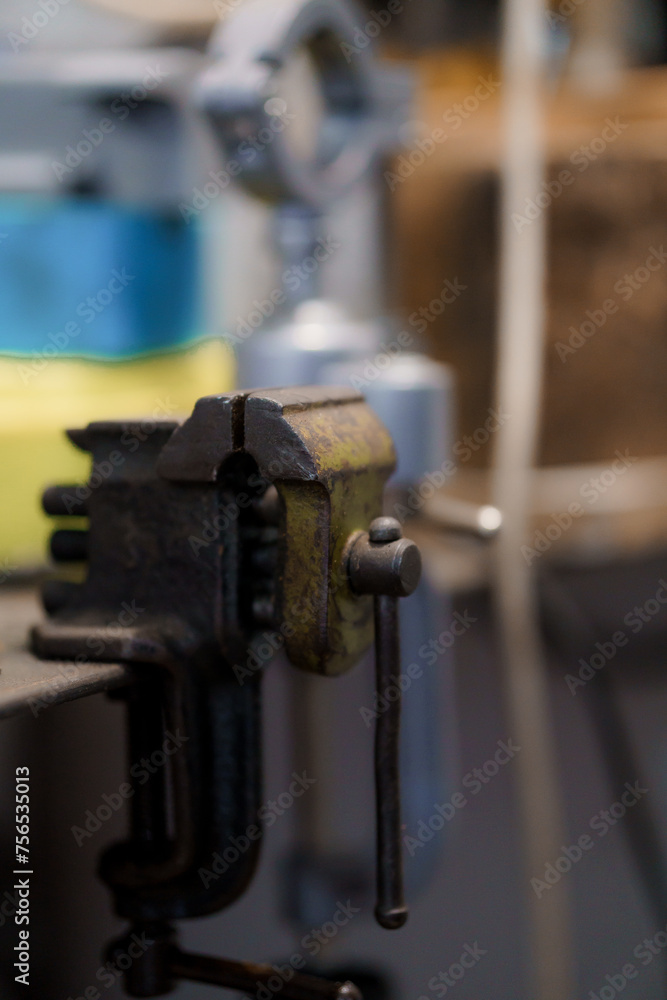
[[388, 566]]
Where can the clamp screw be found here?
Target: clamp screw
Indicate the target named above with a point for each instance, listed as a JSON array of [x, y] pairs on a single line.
[[385, 529], [382, 562]]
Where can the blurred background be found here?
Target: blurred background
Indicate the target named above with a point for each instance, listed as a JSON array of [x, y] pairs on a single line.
[[491, 274]]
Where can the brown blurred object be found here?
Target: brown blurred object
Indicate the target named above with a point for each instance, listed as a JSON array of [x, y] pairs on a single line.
[[611, 392]]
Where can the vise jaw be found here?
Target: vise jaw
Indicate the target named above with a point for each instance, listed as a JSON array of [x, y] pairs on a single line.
[[328, 456], [179, 524]]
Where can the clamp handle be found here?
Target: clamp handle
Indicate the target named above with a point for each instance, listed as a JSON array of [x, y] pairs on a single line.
[[388, 566]]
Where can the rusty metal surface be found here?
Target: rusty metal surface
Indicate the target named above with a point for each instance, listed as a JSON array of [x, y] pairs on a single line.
[[152, 599], [184, 570], [29, 684], [330, 457], [199, 537]]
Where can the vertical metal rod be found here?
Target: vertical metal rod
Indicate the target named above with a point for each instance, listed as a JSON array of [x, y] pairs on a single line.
[[144, 722], [390, 911]]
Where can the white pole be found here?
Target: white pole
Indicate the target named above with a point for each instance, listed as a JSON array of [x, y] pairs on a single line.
[[518, 394]]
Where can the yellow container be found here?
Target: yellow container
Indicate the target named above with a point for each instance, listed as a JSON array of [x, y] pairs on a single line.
[[34, 414]]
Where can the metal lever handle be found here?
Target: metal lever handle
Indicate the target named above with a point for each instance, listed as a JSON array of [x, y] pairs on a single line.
[[385, 564], [390, 909], [158, 970], [247, 977]]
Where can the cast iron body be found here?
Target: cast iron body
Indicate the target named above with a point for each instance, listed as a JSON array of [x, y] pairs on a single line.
[[249, 514]]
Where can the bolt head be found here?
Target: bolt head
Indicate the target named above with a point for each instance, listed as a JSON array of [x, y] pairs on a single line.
[[407, 568], [385, 529]]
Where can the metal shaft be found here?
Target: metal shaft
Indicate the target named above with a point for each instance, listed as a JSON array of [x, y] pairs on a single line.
[[390, 910], [248, 977]]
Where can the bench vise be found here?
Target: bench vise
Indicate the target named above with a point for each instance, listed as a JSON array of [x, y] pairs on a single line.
[[263, 509]]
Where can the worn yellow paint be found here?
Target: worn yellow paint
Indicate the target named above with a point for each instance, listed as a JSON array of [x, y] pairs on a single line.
[[352, 456], [36, 408]]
